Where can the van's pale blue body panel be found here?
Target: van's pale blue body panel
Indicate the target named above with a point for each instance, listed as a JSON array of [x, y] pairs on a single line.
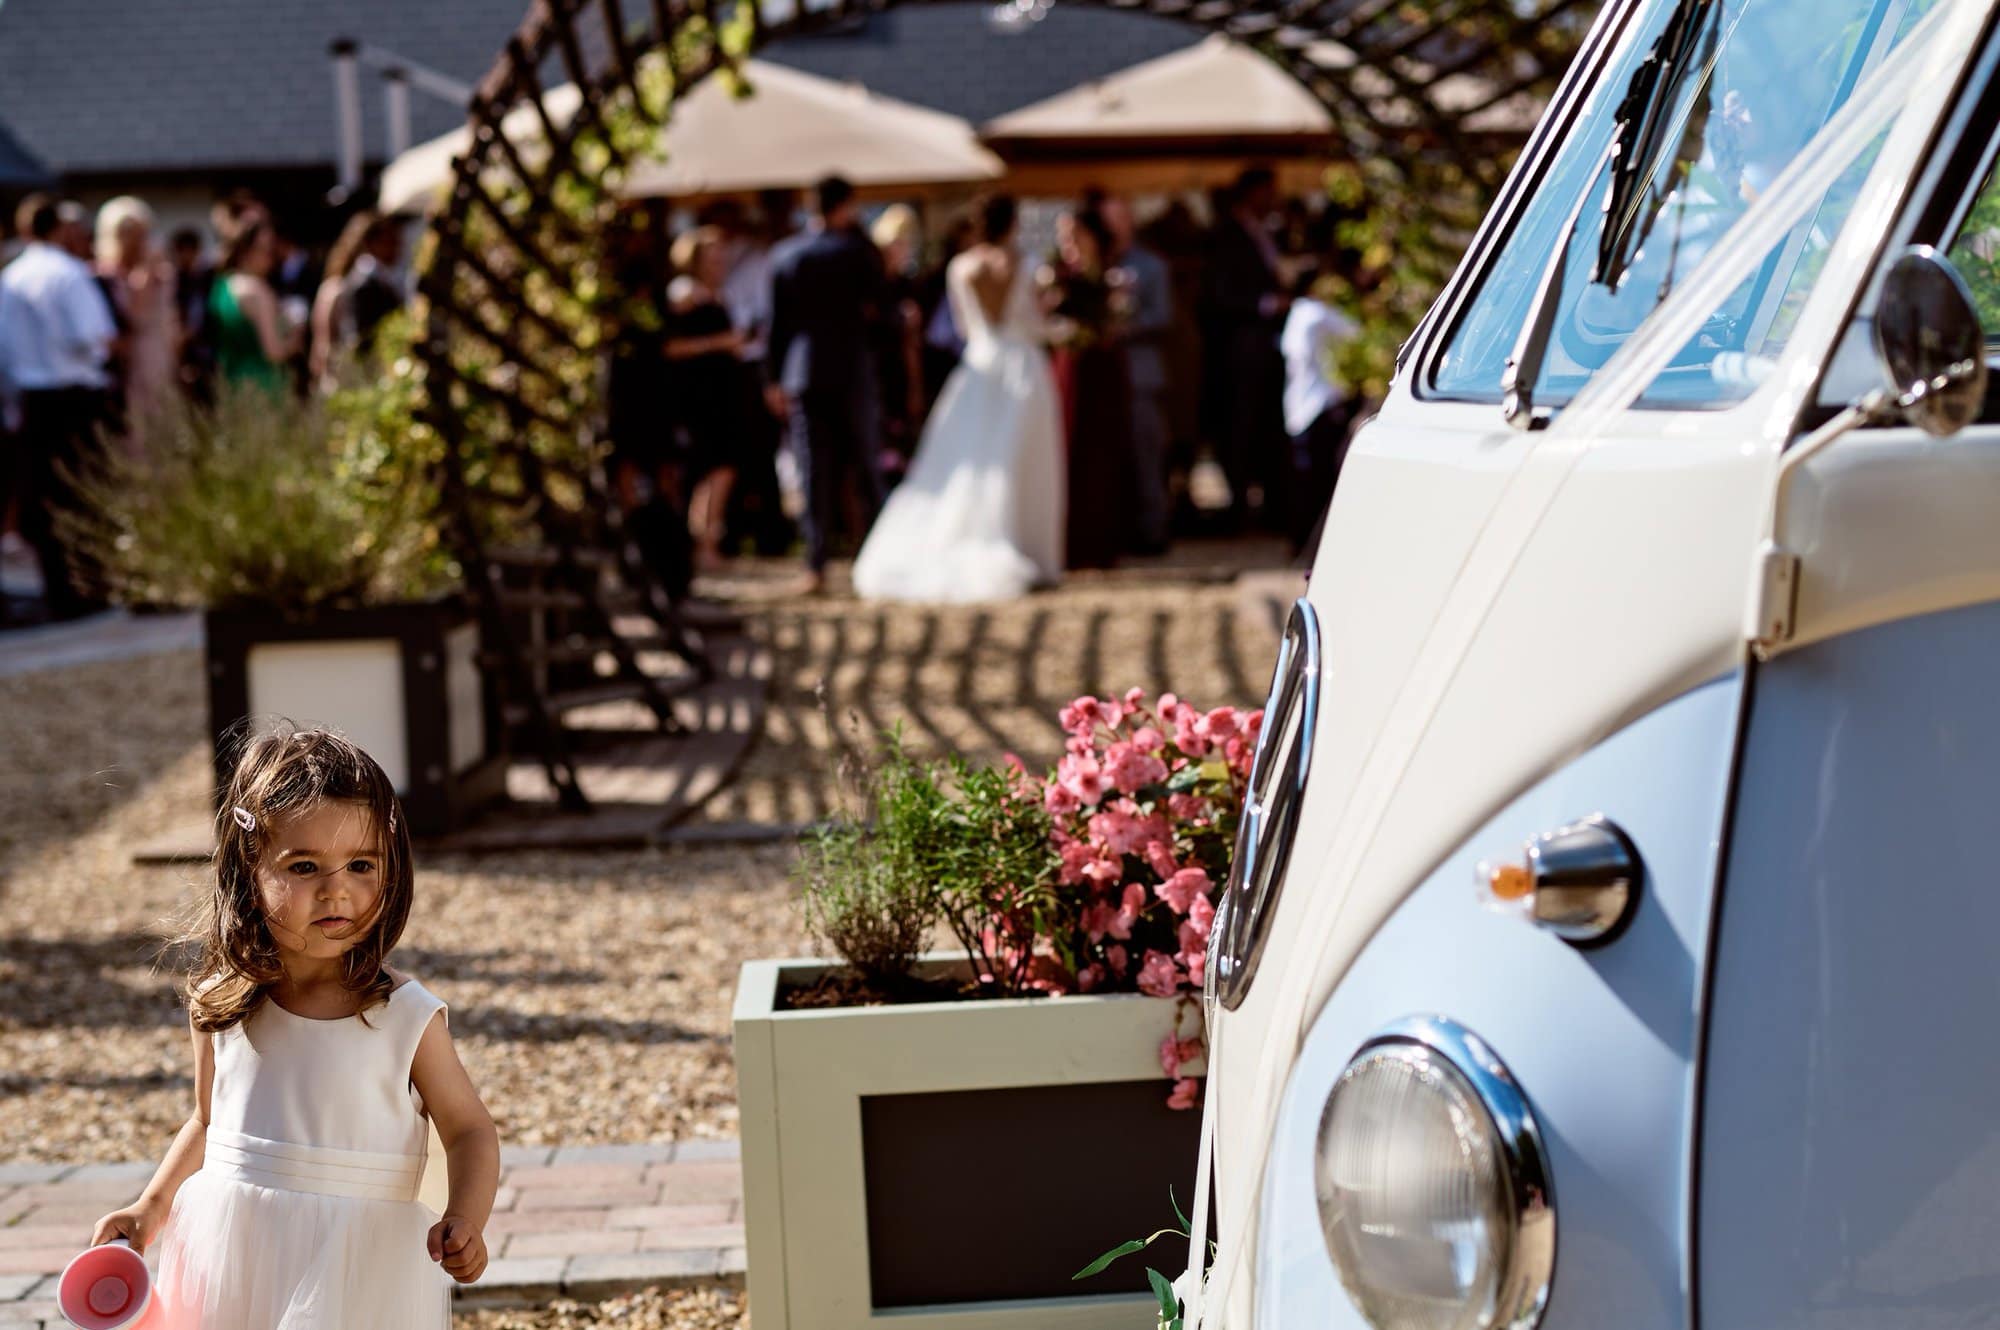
[[1603, 1042], [1850, 1169]]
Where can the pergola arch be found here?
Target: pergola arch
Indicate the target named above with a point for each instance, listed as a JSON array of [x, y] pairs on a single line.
[[516, 296]]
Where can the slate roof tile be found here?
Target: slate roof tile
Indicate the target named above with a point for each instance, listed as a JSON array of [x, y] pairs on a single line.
[[114, 86]]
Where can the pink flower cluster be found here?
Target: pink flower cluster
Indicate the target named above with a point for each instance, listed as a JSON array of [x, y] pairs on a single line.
[[1143, 807]]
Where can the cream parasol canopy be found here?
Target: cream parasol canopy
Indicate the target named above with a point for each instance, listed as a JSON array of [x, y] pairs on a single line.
[[1215, 90], [792, 129]]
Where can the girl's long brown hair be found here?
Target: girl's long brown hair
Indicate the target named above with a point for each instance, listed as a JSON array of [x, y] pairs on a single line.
[[279, 775]]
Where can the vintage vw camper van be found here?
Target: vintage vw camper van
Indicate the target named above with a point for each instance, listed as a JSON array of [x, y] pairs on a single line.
[[1615, 940]]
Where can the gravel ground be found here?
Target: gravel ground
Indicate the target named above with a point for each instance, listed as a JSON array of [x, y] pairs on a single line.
[[591, 991], [987, 680], [699, 1309]]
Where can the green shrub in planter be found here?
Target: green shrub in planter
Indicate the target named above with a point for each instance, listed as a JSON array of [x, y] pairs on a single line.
[[269, 502], [308, 533]]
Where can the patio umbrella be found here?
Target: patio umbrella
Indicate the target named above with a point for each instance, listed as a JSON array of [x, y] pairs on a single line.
[[792, 129], [1184, 121], [1193, 118], [796, 127], [418, 173], [1214, 95]]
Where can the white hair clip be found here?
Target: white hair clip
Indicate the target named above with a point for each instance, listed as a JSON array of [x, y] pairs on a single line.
[[392, 821], [243, 818]]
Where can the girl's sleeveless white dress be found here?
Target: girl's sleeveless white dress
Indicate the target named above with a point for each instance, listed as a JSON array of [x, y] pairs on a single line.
[[304, 1214]]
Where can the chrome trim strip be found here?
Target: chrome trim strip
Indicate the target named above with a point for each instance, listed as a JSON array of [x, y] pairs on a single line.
[[1269, 820]]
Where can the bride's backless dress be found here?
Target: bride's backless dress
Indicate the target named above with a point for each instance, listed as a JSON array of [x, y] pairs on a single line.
[[980, 514]]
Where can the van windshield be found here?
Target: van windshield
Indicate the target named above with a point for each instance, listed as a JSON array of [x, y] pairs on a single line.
[[1708, 102]]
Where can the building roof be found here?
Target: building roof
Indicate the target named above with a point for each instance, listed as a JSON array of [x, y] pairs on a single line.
[[950, 58], [18, 168], [115, 87]]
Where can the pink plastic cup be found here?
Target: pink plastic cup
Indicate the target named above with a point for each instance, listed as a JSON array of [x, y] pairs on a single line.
[[105, 1288]]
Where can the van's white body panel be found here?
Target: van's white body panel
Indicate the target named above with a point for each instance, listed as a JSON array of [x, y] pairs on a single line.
[[1496, 603]]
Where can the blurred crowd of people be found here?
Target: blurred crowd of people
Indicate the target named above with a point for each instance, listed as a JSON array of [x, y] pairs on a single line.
[[774, 379], [105, 331], [1169, 341]]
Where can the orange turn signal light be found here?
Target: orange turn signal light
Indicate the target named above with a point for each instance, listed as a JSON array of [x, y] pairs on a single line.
[[1510, 881]]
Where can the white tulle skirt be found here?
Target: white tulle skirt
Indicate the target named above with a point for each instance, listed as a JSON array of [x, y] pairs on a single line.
[[238, 1256], [980, 514]]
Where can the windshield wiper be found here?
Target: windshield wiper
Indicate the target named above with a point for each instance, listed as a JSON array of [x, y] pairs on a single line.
[[1640, 121]]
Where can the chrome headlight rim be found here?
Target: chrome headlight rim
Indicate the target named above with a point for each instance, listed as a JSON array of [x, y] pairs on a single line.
[[1268, 823], [1528, 1269]]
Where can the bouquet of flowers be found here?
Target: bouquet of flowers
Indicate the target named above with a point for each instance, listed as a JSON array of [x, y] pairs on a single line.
[[1084, 308]]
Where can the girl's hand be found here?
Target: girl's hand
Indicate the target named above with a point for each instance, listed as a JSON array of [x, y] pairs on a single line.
[[459, 1246], [140, 1224]]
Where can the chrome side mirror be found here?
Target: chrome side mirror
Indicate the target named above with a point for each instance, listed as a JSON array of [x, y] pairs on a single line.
[[1928, 337]]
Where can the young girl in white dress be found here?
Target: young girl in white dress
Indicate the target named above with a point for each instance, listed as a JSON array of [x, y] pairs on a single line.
[[288, 1200]]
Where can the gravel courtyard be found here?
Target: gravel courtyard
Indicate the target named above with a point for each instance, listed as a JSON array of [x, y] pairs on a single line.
[[591, 991]]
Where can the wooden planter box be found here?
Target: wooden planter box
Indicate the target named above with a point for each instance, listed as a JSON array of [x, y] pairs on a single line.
[[403, 681], [952, 1164]]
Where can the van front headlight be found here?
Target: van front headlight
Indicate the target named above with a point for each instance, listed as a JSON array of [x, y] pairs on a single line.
[[1432, 1185]]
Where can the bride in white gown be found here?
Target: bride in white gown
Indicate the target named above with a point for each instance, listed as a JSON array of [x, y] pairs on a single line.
[[980, 514]]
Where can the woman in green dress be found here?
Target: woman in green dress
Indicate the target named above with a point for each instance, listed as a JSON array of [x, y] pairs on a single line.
[[253, 339]]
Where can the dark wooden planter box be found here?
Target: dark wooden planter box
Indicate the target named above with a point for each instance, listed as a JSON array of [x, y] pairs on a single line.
[[949, 1165], [403, 681]]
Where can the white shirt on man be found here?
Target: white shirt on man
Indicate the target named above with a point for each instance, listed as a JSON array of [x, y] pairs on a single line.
[[1312, 330], [55, 324], [746, 293]]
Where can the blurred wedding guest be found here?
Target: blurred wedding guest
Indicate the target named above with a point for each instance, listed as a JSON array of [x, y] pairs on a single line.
[[1319, 411], [56, 332], [1088, 307], [1152, 315], [361, 289], [293, 276], [142, 287], [73, 230], [234, 211], [709, 390], [1246, 301], [757, 505], [192, 278], [898, 335], [1181, 241], [944, 340], [746, 257], [825, 284], [747, 288], [253, 338], [644, 471]]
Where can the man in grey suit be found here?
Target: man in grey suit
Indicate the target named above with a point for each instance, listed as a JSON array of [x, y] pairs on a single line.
[[825, 285], [1151, 287]]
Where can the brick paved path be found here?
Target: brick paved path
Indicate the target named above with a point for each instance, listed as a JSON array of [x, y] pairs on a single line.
[[588, 1222]]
